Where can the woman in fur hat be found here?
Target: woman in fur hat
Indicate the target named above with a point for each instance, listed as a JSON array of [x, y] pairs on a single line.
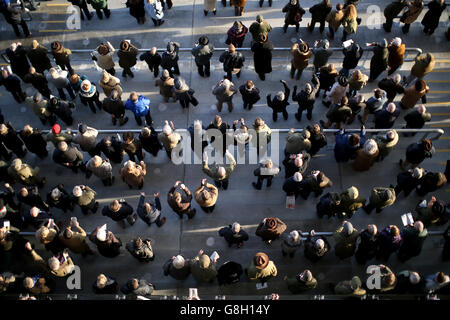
[[62, 56], [127, 57], [300, 55], [90, 95], [270, 229], [137, 10], [109, 83], [103, 54], [236, 34]]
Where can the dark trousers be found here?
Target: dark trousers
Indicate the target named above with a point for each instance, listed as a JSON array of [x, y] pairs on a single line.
[[230, 75], [84, 9], [18, 95], [406, 191], [62, 95], [189, 212], [93, 206], [344, 35], [222, 184], [331, 29], [297, 26], [429, 31], [299, 113], [262, 1], [261, 179], [44, 90], [111, 71], [248, 105], [405, 28], [157, 22], [184, 103], [106, 11], [94, 100], [127, 71], [208, 209], [148, 119], [204, 69], [24, 28], [67, 67], [388, 25], [313, 23], [154, 69], [299, 72], [169, 4], [275, 115]]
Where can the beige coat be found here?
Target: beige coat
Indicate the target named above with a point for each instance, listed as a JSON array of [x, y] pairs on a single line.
[[213, 192], [134, 178], [26, 175], [300, 59], [77, 243], [334, 18], [39, 109], [87, 140], [169, 142], [113, 83], [411, 96], [255, 274], [165, 88]]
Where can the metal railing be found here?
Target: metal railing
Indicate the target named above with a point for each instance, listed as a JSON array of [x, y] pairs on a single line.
[[439, 132]]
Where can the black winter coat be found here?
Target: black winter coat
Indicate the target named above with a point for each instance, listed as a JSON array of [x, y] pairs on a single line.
[[11, 83], [151, 143], [320, 11], [10, 139], [328, 205], [262, 56], [230, 272], [72, 155], [416, 154], [378, 63], [367, 248], [232, 60], [35, 142], [249, 96], [385, 120], [407, 182], [19, 61], [391, 88], [153, 61], [416, 120], [232, 237], [277, 105], [306, 100], [63, 110], [292, 187], [352, 56], [112, 152], [115, 107], [136, 8], [123, 212], [37, 80], [318, 140], [431, 18]]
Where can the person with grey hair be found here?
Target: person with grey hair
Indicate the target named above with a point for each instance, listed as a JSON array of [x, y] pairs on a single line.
[[368, 244], [137, 287], [220, 173], [224, 91], [169, 138], [59, 266], [100, 168], [178, 267], [279, 103], [108, 245], [291, 243], [386, 143], [345, 238], [380, 198], [379, 60], [413, 236], [316, 246], [321, 51], [302, 282], [12, 84], [150, 212], [141, 249], [69, 157], [84, 196], [59, 79], [234, 234], [365, 156], [409, 282], [153, 60], [266, 171], [202, 53], [392, 86]]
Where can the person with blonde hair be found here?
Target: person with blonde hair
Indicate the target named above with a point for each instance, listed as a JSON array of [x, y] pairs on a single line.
[[349, 22], [133, 174], [48, 235]]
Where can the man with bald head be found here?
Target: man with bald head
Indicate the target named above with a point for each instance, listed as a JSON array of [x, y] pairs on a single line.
[[181, 204], [153, 60], [69, 157], [413, 238], [37, 54], [233, 62], [220, 173]]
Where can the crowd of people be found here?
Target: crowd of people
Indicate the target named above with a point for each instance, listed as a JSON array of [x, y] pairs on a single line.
[[24, 207]]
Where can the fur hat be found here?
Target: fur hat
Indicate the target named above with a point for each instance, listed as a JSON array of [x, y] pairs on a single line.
[[102, 49], [271, 223], [298, 177], [303, 47], [77, 192], [178, 262], [124, 45], [259, 18], [261, 260], [348, 228], [56, 129], [417, 173], [82, 128], [427, 145], [353, 192], [205, 261], [397, 41], [370, 147], [319, 244], [56, 45]]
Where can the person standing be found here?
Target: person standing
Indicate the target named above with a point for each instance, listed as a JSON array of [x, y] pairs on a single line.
[[349, 22], [169, 59], [379, 61], [140, 106], [69, 157], [209, 5], [238, 6], [108, 245], [319, 13], [417, 117], [302, 282], [150, 212], [423, 64], [334, 19], [202, 53], [177, 267], [345, 240], [84, 196], [412, 94], [153, 60], [137, 10], [365, 156], [262, 56], [396, 55], [392, 86], [250, 94], [60, 108], [133, 174], [119, 211], [352, 54], [181, 204], [391, 12], [38, 81], [270, 229], [90, 95], [12, 84], [17, 57], [109, 83], [389, 241], [236, 34], [291, 243], [100, 5], [368, 244], [413, 237], [132, 146], [37, 54], [417, 152], [306, 98], [386, 143], [154, 9], [300, 55], [9, 138], [169, 138], [431, 19], [86, 138], [234, 234], [380, 198], [101, 168], [206, 196], [224, 92], [127, 57], [350, 202], [233, 62], [34, 141], [166, 86], [261, 268], [149, 141], [415, 7], [203, 269], [59, 79], [279, 103], [13, 15], [82, 5], [293, 15], [62, 56], [183, 93], [220, 174], [103, 54], [408, 180]]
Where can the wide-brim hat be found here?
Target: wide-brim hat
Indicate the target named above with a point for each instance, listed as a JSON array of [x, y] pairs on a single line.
[[261, 260]]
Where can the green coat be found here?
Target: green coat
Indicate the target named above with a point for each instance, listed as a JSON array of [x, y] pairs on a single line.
[[345, 244], [98, 4], [200, 274], [379, 203], [257, 28], [384, 146], [86, 198], [350, 25], [256, 274], [350, 205], [297, 287], [213, 172]]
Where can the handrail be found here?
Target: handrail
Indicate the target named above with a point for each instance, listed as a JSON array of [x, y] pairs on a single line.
[[439, 132]]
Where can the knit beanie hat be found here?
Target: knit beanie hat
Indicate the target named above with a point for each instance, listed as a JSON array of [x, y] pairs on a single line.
[[397, 41], [56, 129], [390, 134], [348, 228], [178, 262]]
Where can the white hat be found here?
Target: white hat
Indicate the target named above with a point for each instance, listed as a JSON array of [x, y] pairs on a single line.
[[370, 147], [77, 192], [236, 227], [167, 130], [85, 82], [101, 234], [353, 192], [178, 262], [319, 244], [298, 177], [294, 235], [397, 41]]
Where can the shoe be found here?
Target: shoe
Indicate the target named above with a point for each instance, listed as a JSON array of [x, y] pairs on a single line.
[[161, 22], [125, 120], [308, 116], [131, 74], [29, 35], [366, 209], [205, 12], [255, 186], [163, 220], [298, 117]]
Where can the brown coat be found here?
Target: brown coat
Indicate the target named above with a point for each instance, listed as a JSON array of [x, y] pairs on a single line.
[[364, 161], [421, 67], [165, 87], [396, 55], [413, 12], [134, 178], [213, 192], [185, 202], [334, 19], [238, 3], [266, 233], [300, 59], [113, 83], [77, 243], [411, 96]]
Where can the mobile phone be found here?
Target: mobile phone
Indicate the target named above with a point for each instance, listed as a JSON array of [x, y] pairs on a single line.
[[6, 224]]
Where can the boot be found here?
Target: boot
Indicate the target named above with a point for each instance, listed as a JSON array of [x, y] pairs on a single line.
[[122, 121], [261, 3], [192, 213]]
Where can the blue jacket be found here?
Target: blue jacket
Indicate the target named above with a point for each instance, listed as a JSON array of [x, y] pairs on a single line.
[[343, 150], [140, 108]]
